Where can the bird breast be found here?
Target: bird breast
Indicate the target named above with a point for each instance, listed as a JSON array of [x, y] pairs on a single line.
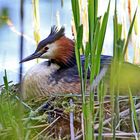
[[45, 79]]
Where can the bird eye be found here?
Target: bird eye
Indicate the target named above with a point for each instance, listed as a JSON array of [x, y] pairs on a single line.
[[46, 48]]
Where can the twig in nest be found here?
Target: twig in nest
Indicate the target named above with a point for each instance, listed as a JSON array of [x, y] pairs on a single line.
[[46, 128], [71, 121], [121, 114]]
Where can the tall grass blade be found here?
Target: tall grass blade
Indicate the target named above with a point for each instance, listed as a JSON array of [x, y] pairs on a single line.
[[129, 34], [21, 37], [92, 16], [78, 47], [133, 109], [36, 21], [86, 64], [93, 51], [88, 123], [115, 70], [5, 81], [101, 92], [76, 13], [101, 37]]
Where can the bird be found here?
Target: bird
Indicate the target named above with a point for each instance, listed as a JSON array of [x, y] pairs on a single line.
[[59, 73]]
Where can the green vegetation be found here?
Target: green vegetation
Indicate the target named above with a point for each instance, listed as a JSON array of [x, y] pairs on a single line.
[[11, 126], [93, 49], [121, 72]]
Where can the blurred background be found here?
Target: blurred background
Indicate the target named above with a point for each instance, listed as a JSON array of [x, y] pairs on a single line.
[[51, 12], [10, 32]]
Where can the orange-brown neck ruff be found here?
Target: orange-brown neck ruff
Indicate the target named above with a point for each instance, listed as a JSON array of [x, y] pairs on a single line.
[[65, 53]]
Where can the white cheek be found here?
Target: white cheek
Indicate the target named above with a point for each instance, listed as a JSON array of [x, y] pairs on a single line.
[[51, 51]]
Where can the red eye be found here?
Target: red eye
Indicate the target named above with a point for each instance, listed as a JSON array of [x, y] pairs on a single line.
[[46, 48]]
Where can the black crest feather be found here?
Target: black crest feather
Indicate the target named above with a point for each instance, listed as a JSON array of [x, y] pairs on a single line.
[[54, 35]]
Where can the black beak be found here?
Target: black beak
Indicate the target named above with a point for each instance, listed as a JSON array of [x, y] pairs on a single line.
[[31, 57]]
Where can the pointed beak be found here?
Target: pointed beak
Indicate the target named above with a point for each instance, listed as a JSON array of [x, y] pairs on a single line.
[[31, 57]]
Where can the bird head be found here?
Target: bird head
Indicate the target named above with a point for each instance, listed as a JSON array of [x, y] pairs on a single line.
[[56, 47]]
